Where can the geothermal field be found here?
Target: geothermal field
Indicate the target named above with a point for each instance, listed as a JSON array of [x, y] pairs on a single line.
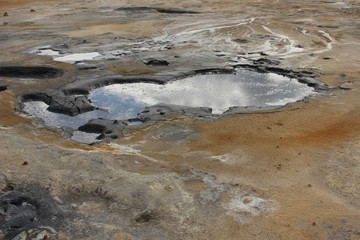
[[162, 120]]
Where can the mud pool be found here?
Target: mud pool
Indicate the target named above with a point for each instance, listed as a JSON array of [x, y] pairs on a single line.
[[217, 91]]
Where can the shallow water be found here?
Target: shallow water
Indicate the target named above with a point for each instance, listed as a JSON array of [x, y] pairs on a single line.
[[39, 109], [217, 91]]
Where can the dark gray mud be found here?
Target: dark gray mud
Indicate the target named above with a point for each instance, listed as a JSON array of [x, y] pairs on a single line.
[[70, 105], [28, 213], [24, 72], [156, 62], [3, 88]]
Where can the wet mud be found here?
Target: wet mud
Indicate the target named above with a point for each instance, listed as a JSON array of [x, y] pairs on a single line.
[[178, 171], [30, 72]]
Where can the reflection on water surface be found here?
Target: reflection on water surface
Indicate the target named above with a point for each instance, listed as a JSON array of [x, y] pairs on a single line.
[[217, 91]]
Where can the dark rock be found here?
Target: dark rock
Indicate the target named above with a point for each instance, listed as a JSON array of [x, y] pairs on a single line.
[[87, 67], [156, 62], [215, 71], [36, 97], [265, 61], [70, 105], [311, 82], [100, 137], [159, 112], [93, 128], [6, 14], [3, 88], [280, 71], [108, 129], [21, 211], [76, 91]]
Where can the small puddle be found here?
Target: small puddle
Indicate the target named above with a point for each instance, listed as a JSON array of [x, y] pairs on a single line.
[[217, 91]]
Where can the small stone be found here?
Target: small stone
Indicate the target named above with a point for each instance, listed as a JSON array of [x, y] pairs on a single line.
[[346, 86], [6, 14], [25, 163], [32, 10], [155, 62]]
